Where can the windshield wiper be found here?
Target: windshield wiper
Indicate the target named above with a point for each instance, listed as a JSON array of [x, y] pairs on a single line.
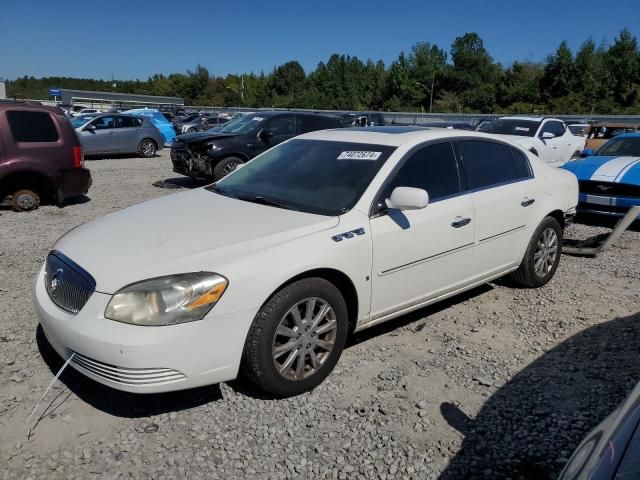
[[265, 201]]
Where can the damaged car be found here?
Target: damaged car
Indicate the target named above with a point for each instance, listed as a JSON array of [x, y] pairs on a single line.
[[213, 155]]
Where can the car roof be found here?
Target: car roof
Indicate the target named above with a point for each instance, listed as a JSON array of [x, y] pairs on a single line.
[[393, 136], [19, 105]]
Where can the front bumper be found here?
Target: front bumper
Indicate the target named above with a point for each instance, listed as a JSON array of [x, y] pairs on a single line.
[[192, 166], [144, 359], [615, 206]]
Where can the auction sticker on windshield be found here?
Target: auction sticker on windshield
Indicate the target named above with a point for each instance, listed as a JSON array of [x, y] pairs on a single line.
[[359, 155]]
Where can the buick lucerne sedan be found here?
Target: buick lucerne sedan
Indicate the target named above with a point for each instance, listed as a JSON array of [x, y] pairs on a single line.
[[267, 271]]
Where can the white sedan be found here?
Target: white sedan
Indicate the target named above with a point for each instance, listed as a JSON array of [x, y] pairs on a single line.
[[549, 138], [270, 269]]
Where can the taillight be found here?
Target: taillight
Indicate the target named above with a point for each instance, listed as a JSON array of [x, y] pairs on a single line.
[[78, 157]]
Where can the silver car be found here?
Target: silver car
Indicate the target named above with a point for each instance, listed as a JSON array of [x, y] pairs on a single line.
[[107, 133]]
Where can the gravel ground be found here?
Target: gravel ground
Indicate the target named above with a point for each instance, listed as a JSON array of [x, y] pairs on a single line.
[[499, 382]]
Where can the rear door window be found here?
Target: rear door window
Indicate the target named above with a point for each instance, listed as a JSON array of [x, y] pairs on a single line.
[[487, 163], [29, 126], [522, 164], [104, 123], [128, 122]]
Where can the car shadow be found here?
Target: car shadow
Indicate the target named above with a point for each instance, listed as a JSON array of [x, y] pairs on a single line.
[[79, 200], [117, 156], [245, 387], [118, 403], [180, 182], [530, 426]]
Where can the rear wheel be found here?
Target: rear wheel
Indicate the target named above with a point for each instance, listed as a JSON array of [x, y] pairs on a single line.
[[24, 200], [542, 257], [226, 166], [147, 148], [296, 338]]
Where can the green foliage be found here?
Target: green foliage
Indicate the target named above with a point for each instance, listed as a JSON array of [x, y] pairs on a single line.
[[594, 79]]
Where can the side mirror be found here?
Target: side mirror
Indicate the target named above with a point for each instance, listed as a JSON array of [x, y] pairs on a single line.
[[90, 128], [587, 152], [265, 134], [408, 198], [547, 136]]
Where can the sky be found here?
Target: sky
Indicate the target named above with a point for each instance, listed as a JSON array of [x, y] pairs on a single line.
[[138, 38]]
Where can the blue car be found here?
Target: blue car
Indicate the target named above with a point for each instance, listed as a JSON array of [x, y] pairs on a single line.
[[159, 120], [609, 179]]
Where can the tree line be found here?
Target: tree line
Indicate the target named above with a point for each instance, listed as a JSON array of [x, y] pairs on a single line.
[[595, 79]]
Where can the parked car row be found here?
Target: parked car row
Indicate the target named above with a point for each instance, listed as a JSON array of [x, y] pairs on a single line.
[[609, 180]]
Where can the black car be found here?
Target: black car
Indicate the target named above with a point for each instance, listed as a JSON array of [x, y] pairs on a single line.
[[212, 155]]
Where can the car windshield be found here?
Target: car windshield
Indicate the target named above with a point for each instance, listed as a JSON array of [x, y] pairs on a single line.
[[313, 176], [621, 147], [501, 126], [242, 125], [80, 120]]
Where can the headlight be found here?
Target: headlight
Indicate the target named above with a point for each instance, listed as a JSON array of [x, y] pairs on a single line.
[[167, 300]]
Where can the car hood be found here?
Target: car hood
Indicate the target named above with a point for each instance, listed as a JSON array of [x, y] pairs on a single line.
[[524, 141], [190, 231], [202, 136], [611, 169]]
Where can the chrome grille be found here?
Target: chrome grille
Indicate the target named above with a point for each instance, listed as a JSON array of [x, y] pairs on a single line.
[[69, 286], [127, 376]]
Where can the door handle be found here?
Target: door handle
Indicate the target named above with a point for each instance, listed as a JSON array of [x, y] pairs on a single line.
[[526, 201], [460, 222]]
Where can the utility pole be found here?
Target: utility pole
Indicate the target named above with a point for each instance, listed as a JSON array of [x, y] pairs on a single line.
[[433, 81]]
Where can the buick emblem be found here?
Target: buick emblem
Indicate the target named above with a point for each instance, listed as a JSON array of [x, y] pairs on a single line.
[[604, 188], [55, 281]]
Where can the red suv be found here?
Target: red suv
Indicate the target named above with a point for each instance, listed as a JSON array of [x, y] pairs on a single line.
[[40, 156]]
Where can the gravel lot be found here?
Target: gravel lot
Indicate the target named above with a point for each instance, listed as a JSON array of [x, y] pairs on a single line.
[[500, 382]]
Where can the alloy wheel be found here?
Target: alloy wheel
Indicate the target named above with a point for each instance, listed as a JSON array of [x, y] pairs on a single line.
[[304, 338], [148, 148], [546, 252], [229, 167]]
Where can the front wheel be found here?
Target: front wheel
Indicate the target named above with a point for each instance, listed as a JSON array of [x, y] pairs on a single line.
[[542, 257], [147, 148], [296, 338], [226, 166]]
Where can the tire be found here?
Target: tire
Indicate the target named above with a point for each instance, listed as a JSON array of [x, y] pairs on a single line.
[[545, 246], [225, 167], [147, 148], [25, 200], [281, 355]]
